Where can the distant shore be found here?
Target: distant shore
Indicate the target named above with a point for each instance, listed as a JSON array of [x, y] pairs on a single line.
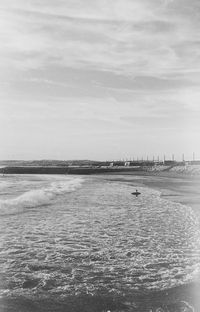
[[64, 170], [161, 170]]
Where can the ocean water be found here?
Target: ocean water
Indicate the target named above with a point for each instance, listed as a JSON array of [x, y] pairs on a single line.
[[69, 236]]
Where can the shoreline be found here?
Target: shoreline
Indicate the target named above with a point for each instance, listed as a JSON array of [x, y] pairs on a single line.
[[193, 171], [179, 188]]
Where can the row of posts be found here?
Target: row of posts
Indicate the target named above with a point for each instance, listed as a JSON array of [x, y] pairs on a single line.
[[158, 158]]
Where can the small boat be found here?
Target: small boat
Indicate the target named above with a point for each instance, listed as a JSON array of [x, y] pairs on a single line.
[[136, 193]]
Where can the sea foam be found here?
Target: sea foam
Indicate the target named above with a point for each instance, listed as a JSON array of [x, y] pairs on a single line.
[[39, 195]]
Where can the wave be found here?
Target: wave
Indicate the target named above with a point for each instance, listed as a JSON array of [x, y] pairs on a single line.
[[39, 196]]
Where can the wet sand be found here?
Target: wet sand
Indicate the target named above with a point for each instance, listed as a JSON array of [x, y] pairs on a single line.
[[178, 188]]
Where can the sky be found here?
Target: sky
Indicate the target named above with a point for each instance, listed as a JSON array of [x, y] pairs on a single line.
[[99, 79]]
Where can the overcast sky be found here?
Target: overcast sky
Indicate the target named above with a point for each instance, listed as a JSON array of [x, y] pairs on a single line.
[[99, 79]]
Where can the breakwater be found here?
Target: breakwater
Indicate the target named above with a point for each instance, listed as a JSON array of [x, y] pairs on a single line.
[[65, 170]]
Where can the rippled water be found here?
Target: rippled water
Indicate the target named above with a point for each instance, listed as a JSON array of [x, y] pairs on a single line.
[[69, 235]]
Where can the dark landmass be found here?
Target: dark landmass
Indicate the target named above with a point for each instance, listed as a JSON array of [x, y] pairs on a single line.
[[52, 163], [172, 168], [64, 170]]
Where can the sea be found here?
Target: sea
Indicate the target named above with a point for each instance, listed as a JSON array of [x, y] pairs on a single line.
[[85, 243]]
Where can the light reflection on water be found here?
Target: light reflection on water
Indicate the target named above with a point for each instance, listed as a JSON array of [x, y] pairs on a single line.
[[64, 235]]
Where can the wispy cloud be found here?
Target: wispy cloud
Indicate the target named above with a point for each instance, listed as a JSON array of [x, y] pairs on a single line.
[[140, 56], [129, 37]]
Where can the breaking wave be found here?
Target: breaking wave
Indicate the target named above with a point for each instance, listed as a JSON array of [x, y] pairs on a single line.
[[39, 196]]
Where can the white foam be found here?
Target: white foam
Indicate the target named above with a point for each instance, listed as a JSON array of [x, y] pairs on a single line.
[[39, 196]]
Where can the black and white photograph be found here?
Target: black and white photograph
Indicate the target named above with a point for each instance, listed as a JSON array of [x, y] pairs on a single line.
[[99, 156]]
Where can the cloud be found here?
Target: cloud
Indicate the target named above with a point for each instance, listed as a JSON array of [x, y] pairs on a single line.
[[90, 9], [129, 62], [128, 37]]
